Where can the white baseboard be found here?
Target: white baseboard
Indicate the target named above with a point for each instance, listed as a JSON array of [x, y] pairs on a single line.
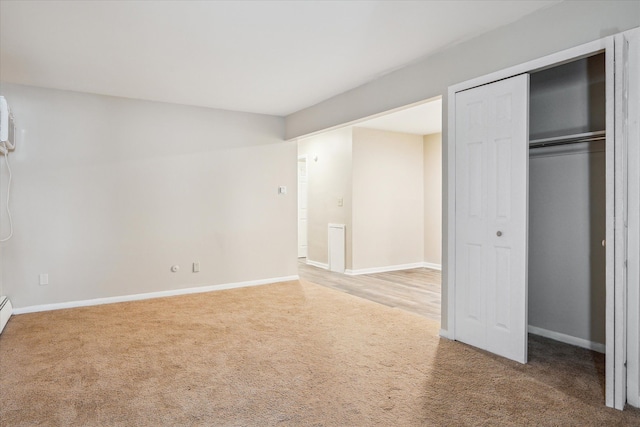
[[318, 264], [383, 269], [149, 295], [557, 336], [567, 339], [432, 266]]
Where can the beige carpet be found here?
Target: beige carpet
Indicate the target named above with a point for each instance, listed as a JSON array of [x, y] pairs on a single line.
[[290, 354]]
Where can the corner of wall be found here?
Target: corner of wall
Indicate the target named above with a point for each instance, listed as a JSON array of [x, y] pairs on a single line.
[[433, 198]]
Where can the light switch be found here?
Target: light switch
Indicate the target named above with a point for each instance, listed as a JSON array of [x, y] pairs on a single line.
[[282, 189], [340, 202]]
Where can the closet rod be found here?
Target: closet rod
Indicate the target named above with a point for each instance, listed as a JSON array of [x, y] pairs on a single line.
[[568, 139]]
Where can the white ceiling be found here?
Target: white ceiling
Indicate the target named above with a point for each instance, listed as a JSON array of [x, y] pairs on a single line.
[[272, 57], [423, 119]]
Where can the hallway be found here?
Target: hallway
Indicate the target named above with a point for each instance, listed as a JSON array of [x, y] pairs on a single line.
[[416, 290]]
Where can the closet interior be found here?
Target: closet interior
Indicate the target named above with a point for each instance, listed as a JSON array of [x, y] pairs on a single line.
[[566, 258]]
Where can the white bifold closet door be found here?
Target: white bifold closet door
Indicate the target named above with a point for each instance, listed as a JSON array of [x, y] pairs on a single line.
[[492, 156]]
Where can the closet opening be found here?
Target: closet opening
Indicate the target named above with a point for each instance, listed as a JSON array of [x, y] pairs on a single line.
[[567, 210], [557, 258]]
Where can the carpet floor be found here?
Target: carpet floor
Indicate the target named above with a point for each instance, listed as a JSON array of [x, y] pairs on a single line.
[[287, 354]]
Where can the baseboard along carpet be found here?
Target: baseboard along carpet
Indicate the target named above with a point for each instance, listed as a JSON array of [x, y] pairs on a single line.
[[287, 354]]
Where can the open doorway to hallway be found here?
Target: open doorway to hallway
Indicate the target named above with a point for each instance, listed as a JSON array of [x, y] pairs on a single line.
[[416, 290], [381, 180]]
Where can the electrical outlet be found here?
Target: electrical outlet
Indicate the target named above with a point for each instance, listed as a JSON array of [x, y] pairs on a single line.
[[196, 267], [44, 279]]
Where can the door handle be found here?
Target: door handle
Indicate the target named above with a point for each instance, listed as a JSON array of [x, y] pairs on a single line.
[[499, 233]]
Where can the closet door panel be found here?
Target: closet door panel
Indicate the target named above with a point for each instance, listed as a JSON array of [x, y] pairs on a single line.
[[503, 179], [471, 212], [473, 314], [502, 298], [491, 209]]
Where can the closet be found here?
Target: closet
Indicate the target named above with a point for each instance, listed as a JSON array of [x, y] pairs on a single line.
[[567, 201], [542, 231]]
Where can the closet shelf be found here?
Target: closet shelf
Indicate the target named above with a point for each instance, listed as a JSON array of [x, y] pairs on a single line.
[[568, 139]]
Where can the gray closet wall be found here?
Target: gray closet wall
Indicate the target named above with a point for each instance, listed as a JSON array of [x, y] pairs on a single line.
[[567, 202]]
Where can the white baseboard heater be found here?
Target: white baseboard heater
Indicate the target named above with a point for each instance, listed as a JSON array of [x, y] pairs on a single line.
[[5, 311]]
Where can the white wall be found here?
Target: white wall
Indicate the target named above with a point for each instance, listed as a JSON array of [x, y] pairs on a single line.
[[568, 99], [433, 199], [109, 193], [547, 31], [566, 257], [388, 199], [328, 179]]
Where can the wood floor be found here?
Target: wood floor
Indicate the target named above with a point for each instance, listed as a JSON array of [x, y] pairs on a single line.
[[416, 290]]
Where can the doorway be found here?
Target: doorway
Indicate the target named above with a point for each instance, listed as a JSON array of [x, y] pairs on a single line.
[[382, 179]]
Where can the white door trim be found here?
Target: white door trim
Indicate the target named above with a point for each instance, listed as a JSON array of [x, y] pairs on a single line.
[[614, 287], [628, 130], [615, 329]]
